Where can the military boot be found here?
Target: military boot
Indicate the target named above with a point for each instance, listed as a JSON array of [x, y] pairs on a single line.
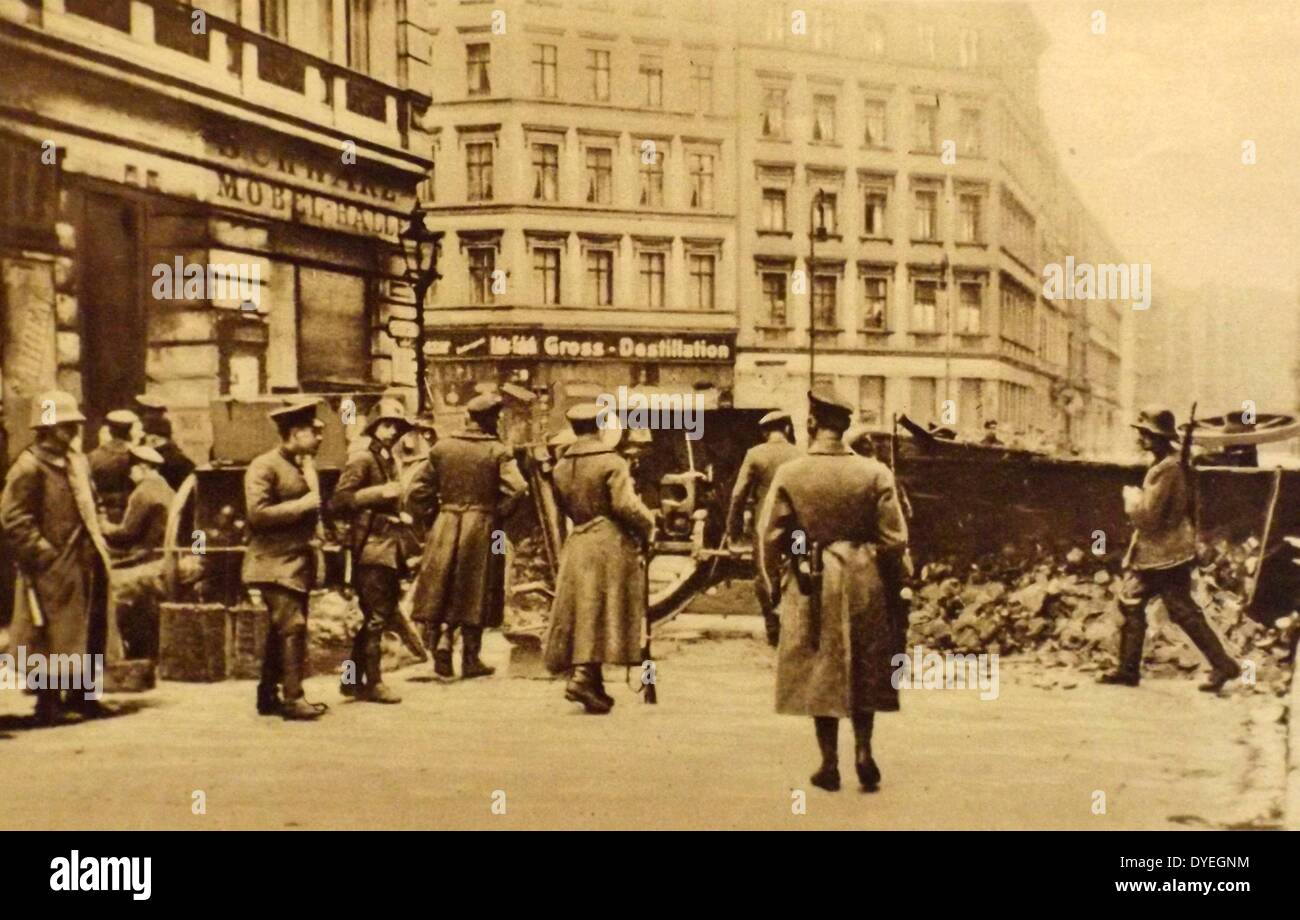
[[1128, 673], [828, 741], [470, 664], [49, 707], [268, 688], [375, 690], [1223, 668], [581, 689], [295, 706], [598, 686], [441, 641], [863, 762], [358, 661]]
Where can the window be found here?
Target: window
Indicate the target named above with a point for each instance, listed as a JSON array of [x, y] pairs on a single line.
[[702, 83], [825, 215], [652, 279], [600, 277], [600, 175], [927, 126], [968, 48], [652, 180], [972, 222], [774, 209], [825, 308], [546, 269], [702, 278], [598, 74], [334, 344], [774, 112], [970, 307], [544, 67], [875, 301], [871, 400], [357, 26], [971, 135], [546, 172], [478, 158], [478, 57], [652, 81], [875, 134], [875, 201], [925, 305], [482, 262], [774, 288], [824, 118], [274, 16], [925, 395], [1016, 320], [927, 214], [701, 167]]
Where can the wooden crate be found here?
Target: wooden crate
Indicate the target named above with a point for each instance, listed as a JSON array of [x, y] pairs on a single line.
[[192, 642]]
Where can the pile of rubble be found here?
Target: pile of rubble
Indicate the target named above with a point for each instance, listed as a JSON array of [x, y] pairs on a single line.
[[1065, 615]]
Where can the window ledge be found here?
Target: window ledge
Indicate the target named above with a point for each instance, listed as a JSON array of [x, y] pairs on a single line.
[[973, 244], [916, 242], [764, 328], [875, 239], [788, 234], [871, 147], [877, 331]]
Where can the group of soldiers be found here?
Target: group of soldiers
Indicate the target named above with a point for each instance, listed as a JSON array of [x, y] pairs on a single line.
[[829, 532]]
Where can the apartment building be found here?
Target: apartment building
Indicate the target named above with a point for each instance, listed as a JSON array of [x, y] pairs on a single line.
[[585, 168], [898, 188], [145, 142]]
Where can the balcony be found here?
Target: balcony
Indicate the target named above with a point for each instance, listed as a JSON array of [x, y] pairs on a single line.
[[225, 60]]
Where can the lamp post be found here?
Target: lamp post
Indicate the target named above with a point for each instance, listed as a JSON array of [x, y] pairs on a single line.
[[816, 231], [420, 248]]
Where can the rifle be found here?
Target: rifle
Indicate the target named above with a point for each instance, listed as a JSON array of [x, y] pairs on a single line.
[[651, 694], [1185, 461]]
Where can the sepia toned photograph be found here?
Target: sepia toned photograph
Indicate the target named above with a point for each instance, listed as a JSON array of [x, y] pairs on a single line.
[[649, 415]]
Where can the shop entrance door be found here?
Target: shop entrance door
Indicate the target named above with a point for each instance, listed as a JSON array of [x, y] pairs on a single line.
[[114, 335]]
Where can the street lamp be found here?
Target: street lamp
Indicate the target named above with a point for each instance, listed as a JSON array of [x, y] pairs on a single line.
[[816, 232], [420, 248]]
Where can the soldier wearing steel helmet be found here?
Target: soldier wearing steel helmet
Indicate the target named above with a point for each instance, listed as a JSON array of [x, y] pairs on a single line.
[[368, 491], [50, 521]]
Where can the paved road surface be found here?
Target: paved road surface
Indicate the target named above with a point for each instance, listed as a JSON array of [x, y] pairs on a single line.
[[711, 755]]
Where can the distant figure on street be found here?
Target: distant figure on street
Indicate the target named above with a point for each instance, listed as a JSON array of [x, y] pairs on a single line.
[[757, 471], [368, 492], [1160, 557], [600, 598], [991, 438], [110, 461], [830, 524], [283, 506], [468, 487], [157, 428], [50, 523]]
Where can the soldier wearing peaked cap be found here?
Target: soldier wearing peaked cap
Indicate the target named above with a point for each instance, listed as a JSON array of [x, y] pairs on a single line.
[[176, 466], [599, 592], [49, 520], [110, 462], [283, 505], [368, 492], [1161, 555], [468, 487], [752, 483], [830, 522]]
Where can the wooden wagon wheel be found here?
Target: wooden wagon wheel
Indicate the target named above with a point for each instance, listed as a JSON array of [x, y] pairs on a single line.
[[171, 545]]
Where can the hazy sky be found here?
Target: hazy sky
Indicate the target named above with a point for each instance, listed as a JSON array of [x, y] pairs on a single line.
[[1149, 119]]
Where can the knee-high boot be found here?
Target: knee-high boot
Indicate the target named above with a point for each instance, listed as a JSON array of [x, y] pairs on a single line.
[[1131, 636], [375, 690], [358, 660], [868, 772], [828, 741], [470, 663], [440, 638], [268, 688], [295, 706]]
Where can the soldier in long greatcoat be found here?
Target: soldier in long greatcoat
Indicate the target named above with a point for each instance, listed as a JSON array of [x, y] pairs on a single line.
[[49, 518], [469, 486], [831, 520], [1160, 558], [600, 590], [368, 491], [283, 503], [757, 471]]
